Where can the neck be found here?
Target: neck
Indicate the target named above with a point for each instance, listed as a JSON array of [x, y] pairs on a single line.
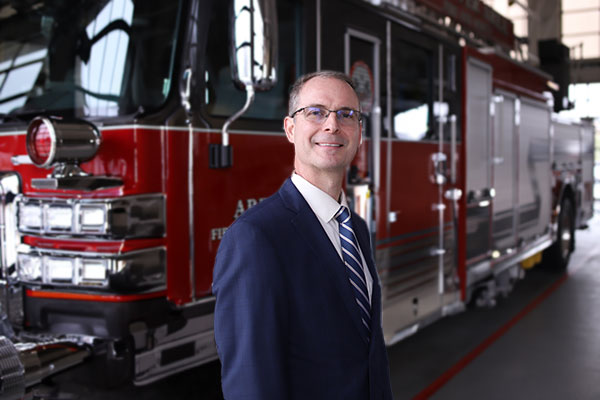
[[330, 182]]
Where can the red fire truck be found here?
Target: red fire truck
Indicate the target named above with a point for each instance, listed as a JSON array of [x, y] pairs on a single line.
[[133, 133]]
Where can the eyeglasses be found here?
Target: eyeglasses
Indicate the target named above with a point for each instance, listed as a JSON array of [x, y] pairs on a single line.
[[318, 115]]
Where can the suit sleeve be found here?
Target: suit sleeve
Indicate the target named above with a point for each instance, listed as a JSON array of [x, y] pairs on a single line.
[[250, 316]]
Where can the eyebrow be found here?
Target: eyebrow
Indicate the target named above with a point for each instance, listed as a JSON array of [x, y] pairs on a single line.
[[323, 106]]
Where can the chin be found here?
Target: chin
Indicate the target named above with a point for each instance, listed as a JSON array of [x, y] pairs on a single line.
[[332, 166]]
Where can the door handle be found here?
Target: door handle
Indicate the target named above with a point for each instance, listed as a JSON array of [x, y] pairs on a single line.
[[438, 174], [453, 156], [453, 194]]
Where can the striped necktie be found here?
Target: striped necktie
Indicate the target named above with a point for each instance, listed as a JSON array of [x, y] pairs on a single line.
[[356, 274]]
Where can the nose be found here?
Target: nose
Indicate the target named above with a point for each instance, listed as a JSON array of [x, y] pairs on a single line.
[[331, 123]]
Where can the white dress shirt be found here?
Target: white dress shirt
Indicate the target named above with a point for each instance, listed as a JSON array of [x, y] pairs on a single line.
[[325, 208]]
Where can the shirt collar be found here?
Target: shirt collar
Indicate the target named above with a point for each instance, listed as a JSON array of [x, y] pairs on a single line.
[[323, 205]]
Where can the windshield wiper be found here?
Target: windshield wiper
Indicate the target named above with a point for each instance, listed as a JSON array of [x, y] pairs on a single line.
[[12, 117], [23, 114]]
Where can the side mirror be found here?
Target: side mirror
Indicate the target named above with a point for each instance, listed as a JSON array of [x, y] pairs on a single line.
[[254, 43], [253, 62]]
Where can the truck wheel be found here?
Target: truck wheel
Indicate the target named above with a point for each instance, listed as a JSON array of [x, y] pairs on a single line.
[[557, 256]]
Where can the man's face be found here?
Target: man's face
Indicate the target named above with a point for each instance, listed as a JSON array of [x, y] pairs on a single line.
[[331, 145]]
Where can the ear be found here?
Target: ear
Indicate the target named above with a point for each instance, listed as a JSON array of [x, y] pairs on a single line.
[[289, 127]]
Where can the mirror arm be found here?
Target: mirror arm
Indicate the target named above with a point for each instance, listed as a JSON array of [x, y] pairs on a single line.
[[221, 154], [230, 120]]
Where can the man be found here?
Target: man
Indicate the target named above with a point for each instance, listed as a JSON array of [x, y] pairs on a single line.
[[298, 310]]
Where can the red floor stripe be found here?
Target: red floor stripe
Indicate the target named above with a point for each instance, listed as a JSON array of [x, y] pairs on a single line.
[[456, 368]]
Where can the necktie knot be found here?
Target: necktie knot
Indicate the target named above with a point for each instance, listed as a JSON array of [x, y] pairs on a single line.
[[343, 215]]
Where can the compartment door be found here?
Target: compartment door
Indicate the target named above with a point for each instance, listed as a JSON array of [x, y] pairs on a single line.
[[505, 176], [478, 145]]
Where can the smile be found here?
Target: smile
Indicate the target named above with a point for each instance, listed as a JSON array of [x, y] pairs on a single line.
[[330, 144]]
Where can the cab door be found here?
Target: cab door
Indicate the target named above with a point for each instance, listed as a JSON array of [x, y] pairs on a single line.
[[424, 119], [361, 50], [410, 218], [350, 38]]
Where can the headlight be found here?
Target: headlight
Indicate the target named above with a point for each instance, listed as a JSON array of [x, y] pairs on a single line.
[[136, 270], [59, 219], [60, 269], [93, 219], [30, 267], [30, 217], [124, 218], [94, 271]]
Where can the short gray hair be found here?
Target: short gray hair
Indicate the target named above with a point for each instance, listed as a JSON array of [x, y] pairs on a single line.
[[299, 84]]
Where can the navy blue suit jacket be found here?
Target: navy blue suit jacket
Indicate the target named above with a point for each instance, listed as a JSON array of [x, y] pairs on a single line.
[[287, 325]]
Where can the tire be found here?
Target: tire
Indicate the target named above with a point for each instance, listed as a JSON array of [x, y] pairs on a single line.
[[557, 256]]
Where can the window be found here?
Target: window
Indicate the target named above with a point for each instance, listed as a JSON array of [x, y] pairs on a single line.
[[20, 66], [411, 92], [86, 58], [105, 74]]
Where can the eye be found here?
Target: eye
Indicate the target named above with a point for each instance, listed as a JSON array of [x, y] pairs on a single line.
[[315, 112], [346, 114]]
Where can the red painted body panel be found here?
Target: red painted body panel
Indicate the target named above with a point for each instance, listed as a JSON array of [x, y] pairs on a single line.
[[477, 16], [110, 298], [177, 239], [414, 193], [381, 206], [261, 165], [154, 160], [513, 77], [95, 246], [132, 154]]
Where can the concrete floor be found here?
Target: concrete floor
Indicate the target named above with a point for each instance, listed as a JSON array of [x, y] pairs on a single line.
[[541, 342]]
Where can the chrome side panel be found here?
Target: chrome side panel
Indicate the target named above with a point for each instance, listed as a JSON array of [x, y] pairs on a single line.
[[505, 176], [566, 146], [586, 211], [10, 188], [11, 299], [573, 151], [479, 93], [534, 205], [161, 353], [409, 285], [478, 145]]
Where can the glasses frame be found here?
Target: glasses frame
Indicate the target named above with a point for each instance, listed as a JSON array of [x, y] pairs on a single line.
[[358, 113]]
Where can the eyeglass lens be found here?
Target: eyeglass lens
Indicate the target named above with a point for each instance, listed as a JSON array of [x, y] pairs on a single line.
[[319, 115]]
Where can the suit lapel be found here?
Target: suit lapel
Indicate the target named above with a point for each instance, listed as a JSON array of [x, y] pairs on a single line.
[[312, 232]]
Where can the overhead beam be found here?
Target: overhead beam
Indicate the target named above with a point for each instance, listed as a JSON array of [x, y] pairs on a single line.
[[585, 70]]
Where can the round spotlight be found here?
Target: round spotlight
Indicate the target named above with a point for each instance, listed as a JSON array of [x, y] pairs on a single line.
[[41, 142], [52, 140]]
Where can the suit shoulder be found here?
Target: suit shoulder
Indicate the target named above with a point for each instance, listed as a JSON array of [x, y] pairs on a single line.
[[269, 212], [252, 243], [358, 221]]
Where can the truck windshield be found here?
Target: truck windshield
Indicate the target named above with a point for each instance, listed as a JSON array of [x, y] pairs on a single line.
[[85, 58]]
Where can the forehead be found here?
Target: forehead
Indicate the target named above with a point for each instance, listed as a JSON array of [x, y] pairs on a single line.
[[330, 92]]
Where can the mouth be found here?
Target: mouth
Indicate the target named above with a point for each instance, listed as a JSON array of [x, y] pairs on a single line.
[[329, 144]]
